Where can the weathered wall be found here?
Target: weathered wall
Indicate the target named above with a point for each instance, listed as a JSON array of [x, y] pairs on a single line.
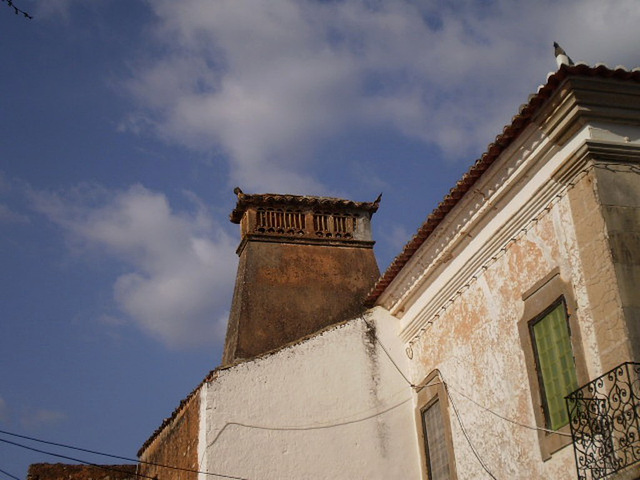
[[619, 194], [572, 223], [285, 291], [60, 471], [330, 407], [175, 443], [477, 346]]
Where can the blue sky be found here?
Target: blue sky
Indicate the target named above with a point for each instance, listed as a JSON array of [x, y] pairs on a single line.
[[125, 125]]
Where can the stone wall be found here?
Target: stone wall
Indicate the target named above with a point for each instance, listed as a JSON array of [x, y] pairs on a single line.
[[619, 194], [174, 444], [61, 471]]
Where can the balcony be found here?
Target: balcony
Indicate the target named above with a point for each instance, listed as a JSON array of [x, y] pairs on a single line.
[[605, 423]]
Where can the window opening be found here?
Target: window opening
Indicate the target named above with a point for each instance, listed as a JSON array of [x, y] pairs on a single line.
[[435, 442], [554, 361]]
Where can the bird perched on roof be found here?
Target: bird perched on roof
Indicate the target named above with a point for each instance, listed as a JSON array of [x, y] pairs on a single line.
[[561, 56]]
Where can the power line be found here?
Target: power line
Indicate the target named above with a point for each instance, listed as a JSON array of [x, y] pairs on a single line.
[[16, 10], [95, 452], [9, 475], [305, 428], [466, 436], [73, 459], [530, 427], [375, 335]]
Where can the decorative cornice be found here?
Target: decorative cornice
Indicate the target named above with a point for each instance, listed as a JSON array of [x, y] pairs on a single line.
[[273, 200], [457, 228], [589, 155], [303, 241], [528, 113]]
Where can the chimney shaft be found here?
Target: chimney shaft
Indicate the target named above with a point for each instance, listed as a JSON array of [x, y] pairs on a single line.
[[305, 263]]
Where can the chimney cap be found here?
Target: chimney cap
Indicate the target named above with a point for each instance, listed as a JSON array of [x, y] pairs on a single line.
[[245, 201]]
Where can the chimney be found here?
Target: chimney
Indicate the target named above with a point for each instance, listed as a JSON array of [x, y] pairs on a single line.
[[305, 263]]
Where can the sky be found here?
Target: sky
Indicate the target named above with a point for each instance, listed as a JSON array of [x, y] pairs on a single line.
[[126, 124]]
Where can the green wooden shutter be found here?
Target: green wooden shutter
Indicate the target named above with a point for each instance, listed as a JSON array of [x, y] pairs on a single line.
[[556, 366]]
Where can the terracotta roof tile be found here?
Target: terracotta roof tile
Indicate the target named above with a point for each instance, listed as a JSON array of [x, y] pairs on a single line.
[[274, 199], [509, 134]]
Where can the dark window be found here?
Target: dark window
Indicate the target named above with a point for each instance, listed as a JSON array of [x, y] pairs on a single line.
[[435, 442]]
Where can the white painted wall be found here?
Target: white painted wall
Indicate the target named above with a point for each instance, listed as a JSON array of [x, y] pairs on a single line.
[[330, 407]]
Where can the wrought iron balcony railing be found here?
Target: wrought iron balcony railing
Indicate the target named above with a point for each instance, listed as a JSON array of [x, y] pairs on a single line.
[[605, 422]]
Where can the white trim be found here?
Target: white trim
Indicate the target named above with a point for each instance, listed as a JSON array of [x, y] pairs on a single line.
[[504, 217]]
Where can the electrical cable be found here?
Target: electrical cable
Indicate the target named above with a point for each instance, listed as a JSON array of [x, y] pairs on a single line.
[[94, 452], [466, 436], [226, 425], [386, 352], [66, 457], [16, 10], [530, 427], [304, 428], [9, 475]]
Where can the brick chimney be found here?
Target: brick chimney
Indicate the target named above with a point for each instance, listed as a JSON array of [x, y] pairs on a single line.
[[305, 263]]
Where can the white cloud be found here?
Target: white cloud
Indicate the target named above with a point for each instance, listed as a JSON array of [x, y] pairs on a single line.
[[268, 81], [41, 417], [181, 264], [9, 216], [53, 9]]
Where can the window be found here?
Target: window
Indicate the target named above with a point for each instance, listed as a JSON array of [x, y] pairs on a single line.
[[435, 431], [435, 442], [552, 347], [554, 361]]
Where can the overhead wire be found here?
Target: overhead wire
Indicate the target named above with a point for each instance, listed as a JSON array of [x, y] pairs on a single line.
[[9, 475], [466, 435], [455, 409], [384, 349], [305, 427], [375, 335], [17, 10], [109, 455], [507, 419], [226, 425], [67, 457]]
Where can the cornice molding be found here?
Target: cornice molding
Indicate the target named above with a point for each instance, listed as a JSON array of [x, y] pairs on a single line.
[[576, 101], [599, 94], [257, 237], [457, 226], [588, 155]]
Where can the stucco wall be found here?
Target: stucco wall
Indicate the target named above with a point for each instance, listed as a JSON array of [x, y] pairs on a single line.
[[330, 407], [476, 345], [584, 239]]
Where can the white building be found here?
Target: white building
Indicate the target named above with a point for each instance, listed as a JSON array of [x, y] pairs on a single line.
[[519, 288]]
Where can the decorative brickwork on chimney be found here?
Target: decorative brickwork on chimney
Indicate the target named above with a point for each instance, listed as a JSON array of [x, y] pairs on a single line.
[[305, 263]]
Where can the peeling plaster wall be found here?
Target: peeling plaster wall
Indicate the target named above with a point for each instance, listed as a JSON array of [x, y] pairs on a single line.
[[332, 406], [588, 235], [477, 346]]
